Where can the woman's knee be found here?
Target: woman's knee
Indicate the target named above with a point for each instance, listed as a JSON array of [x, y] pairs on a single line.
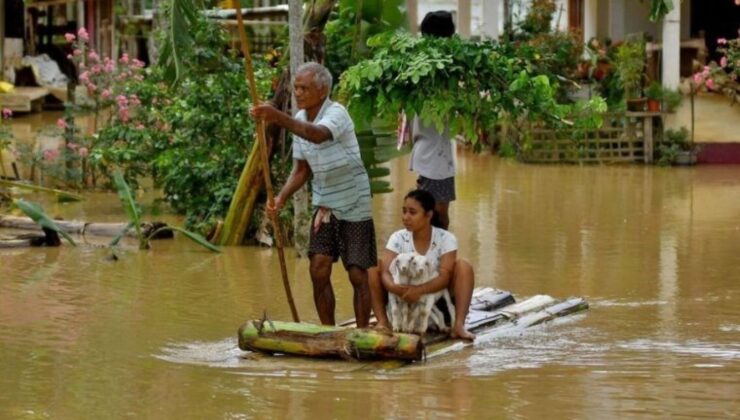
[[464, 269]]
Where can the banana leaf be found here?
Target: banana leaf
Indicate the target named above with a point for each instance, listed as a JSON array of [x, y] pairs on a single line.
[[118, 237], [178, 41], [127, 201], [198, 239], [35, 212]]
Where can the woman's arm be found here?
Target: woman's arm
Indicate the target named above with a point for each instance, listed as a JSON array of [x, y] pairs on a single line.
[[385, 275]]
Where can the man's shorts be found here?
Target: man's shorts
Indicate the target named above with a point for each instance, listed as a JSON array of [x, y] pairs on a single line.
[[443, 190], [353, 241]]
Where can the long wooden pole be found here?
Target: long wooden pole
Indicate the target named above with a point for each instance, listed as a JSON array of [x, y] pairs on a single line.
[[249, 70]]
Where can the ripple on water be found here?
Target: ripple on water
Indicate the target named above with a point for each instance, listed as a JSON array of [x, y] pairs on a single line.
[[699, 348], [730, 327], [224, 353]]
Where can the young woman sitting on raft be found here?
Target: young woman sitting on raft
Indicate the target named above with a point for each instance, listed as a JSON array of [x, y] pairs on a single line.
[[421, 235]]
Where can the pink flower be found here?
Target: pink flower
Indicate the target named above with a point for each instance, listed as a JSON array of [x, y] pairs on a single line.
[[138, 63], [70, 37], [84, 77], [7, 113], [72, 146], [96, 69], [109, 67], [105, 94], [91, 88], [84, 36], [710, 84], [122, 101], [124, 58], [698, 78], [83, 152], [51, 154], [61, 123], [139, 126], [77, 52], [123, 114], [721, 41], [723, 62], [93, 56]]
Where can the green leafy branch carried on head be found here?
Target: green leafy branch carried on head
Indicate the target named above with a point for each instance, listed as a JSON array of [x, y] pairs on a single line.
[[464, 85]]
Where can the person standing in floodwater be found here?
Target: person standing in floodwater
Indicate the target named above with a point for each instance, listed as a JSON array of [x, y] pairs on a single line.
[[325, 146], [431, 155]]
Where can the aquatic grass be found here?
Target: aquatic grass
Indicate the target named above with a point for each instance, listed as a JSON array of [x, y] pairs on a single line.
[[36, 213]]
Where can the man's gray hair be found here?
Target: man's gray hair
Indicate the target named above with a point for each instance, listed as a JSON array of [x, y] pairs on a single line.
[[321, 75]]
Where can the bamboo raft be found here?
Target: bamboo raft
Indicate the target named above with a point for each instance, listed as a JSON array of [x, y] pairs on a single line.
[[490, 310]]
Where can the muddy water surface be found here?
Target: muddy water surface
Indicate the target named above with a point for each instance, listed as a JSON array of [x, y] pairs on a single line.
[[654, 250]]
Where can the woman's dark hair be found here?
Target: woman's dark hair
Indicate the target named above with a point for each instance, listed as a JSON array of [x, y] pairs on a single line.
[[427, 201], [438, 24]]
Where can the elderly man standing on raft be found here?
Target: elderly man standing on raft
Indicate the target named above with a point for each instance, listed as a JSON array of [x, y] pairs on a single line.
[[325, 146]]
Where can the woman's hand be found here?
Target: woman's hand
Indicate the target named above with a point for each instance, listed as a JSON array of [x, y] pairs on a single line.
[[413, 294], [398, 289]]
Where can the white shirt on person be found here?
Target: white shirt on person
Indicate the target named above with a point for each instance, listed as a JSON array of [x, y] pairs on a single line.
[[441, 243], [431, 156]]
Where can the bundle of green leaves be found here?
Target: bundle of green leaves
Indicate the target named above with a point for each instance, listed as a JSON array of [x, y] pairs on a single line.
[[465, 85]]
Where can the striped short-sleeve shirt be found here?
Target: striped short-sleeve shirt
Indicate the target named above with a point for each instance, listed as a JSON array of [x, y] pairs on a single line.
[[340, 181]]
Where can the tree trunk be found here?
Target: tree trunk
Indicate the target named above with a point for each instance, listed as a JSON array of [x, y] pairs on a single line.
[[301, 210], [78, 227], [328, 341]]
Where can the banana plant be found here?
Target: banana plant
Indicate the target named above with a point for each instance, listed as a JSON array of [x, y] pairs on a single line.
[[132, 211], [36, 213], [178, 39]]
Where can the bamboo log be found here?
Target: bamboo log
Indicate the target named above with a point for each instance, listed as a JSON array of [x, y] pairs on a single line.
[[24, 240], [85, 228], [311, 340]]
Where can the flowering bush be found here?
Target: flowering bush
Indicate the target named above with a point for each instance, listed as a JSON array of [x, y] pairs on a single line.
[[191, 138], [5, 134], [723, 76]]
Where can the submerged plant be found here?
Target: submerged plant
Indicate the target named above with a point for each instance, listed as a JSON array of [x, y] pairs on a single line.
[[132, 211], [36, 213]]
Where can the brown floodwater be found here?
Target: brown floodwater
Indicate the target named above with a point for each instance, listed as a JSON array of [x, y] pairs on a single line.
[[654, 250]]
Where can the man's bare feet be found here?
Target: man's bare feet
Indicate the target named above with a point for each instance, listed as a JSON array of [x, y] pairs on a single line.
[[460, 332]]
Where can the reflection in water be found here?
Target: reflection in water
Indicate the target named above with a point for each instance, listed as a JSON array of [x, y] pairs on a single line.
[[654, 250]]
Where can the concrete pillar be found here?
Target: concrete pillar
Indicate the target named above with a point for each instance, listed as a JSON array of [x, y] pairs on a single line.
[[491, 18], [616, 19], [672, 48], [463, 18], [590, 19], [80, 14], [412, 12]]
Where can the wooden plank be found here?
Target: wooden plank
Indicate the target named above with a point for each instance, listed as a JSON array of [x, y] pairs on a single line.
[[23, 99]]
